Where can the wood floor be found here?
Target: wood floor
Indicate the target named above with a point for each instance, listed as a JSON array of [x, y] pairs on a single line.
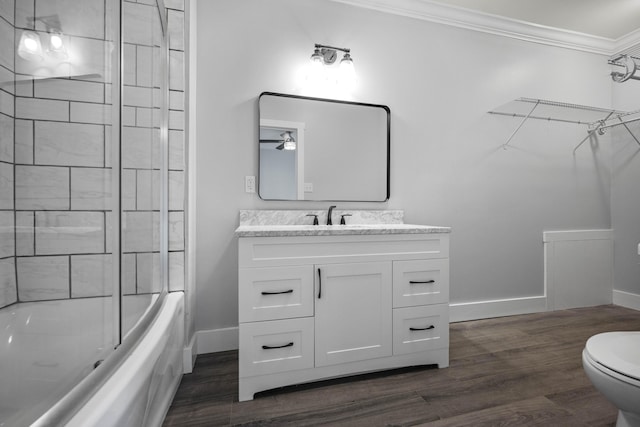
[[518, 370]]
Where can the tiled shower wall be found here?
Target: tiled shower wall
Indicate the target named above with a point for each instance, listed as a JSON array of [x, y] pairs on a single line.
[[61, 138], [8, 289]]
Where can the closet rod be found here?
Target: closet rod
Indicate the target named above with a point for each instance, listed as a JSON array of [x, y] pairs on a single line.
[[550, 119]]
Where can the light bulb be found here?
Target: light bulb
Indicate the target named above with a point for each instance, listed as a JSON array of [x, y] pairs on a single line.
[[56, 41], [30, 47], [347, 72]]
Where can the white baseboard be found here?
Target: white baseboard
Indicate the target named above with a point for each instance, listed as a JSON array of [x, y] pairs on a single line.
[[460, 312], [215, 340], [626, 299], [189, 355]]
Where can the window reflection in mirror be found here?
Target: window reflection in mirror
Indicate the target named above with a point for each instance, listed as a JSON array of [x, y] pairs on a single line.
[[339, 152]]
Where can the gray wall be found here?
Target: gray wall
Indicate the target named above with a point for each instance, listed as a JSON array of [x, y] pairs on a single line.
[[447, 162], [625, 193]]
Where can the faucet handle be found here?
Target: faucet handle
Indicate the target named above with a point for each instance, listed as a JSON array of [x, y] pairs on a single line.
[[342, 221], [315, 218]]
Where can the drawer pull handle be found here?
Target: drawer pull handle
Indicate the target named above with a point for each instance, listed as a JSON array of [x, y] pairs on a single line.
[[272, 347], [319, 284], [290, 291], [413, 282], [422, 329]]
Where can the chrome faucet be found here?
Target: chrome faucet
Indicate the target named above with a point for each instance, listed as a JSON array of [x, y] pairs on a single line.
[[329, 222]]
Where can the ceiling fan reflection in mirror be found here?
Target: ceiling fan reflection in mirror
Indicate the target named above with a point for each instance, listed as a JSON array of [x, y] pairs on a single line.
[[287, 142]]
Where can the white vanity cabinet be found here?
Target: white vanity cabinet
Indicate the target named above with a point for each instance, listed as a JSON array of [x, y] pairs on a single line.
[[316, 307]]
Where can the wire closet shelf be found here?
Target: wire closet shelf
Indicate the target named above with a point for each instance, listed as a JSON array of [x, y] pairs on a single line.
[[597, 120]]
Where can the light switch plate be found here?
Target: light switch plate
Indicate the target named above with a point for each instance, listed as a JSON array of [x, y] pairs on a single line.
[[308, 187]]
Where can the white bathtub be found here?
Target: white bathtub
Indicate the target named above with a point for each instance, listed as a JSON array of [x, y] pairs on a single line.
[[43, 355]]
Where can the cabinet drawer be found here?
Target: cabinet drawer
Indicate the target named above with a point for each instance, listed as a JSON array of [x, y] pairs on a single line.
[[276, 346], [420, 328], [420, 282], [275, 293]]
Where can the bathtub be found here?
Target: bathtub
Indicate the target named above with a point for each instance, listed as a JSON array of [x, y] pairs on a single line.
[[131, 388]]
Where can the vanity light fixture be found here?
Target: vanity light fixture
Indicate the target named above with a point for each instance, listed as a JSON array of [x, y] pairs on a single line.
[[31, 42], [288, 140], [325, 56]]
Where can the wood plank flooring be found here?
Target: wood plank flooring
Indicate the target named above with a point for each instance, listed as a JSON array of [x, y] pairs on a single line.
[[518, 370]]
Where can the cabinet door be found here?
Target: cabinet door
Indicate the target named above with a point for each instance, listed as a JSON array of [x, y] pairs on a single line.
[[353, 312]]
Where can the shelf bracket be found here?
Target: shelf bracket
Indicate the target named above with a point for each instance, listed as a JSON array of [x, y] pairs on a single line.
[[504, 146]]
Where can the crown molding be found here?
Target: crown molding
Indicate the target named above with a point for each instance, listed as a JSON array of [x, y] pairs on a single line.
[[432, 11]]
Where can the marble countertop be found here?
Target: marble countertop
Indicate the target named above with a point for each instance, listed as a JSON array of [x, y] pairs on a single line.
[[335, 230]]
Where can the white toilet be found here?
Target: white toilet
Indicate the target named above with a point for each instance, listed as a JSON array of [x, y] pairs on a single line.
[[612, 363]]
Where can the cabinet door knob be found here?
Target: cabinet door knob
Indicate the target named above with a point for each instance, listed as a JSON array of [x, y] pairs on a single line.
[[319, 284], [413, 282], [272, 347], [422, 329], [289, 291]]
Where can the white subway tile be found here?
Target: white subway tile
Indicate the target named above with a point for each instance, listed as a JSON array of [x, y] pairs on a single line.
[[174, 4], [176, 29], [176, 100], [90, 189], [7, 234], [108, 146], [69, 90], [129, 64], [136, 96], [42, 109], [7, 104], [138, 231], [91, 275], [176, 70], [24, 141], [6, 47], [145, 66], [138, 23], [69, 144], [8, 291], [148, 273], [176, 149], [25, 11], [128, 274], [25, 233], [129, 185], [91, 113], [42, 187], [84, 18], [176, 231], [176, 190], [6, 138], [6, 186], [148, 190], [43, 278], [176, 120], [144, 117], [137, 148], [7, 80], [109, 231], [176, 271], [24, 86], [128, 116], [70, 232], [7, 10]]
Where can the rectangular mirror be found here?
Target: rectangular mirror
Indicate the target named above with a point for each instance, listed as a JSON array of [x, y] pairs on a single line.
[[322, 149]]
